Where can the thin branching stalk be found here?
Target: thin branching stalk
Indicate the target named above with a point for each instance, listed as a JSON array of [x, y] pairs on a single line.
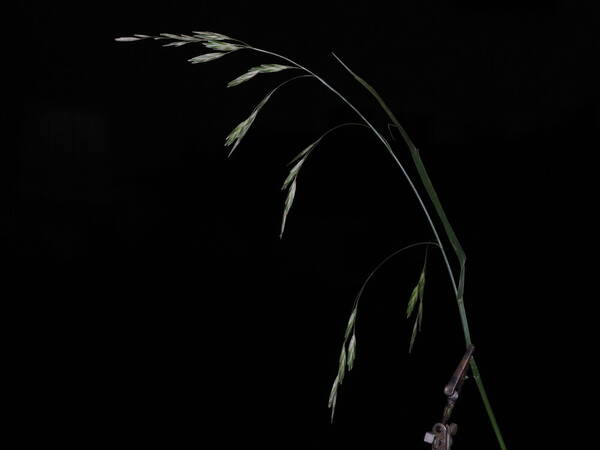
[[386, 259], [347, 356], [236, 136]]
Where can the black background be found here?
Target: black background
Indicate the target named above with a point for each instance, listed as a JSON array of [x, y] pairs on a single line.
[[156, 302]]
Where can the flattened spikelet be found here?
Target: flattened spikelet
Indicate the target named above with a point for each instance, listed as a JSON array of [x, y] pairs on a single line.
[[252, 72], [210, 36], [222, 46], [206, 57]]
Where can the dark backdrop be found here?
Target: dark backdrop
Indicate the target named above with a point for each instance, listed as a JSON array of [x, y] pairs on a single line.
[[156, 302]]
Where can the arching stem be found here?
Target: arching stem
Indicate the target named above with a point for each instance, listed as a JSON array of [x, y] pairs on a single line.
[[460, 254], [387, 146]]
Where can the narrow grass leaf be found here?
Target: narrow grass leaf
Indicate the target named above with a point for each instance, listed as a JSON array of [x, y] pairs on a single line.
[[417, 293]]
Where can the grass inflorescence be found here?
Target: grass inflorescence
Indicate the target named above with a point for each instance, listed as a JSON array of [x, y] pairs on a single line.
[[216, 46]]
